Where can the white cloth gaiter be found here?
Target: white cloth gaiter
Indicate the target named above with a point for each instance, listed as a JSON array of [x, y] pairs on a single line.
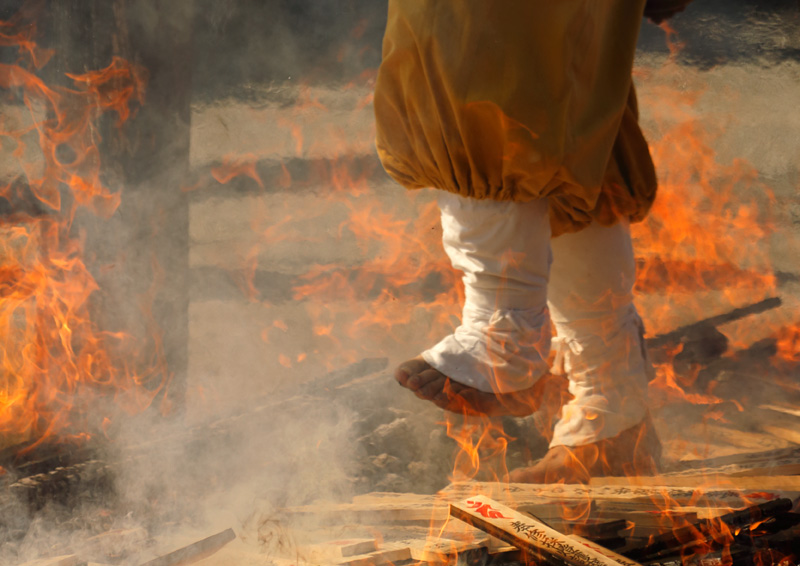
[[599, 335], [504, 250]]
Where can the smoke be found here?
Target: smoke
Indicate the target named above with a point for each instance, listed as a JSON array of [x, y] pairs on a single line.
[[274, 98]]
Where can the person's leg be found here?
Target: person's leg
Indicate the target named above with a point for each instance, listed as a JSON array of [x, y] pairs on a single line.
[[500, 349], [605, 427]]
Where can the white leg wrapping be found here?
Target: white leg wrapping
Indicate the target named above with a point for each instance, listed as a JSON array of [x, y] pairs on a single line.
[[503, 249], [599, 334]]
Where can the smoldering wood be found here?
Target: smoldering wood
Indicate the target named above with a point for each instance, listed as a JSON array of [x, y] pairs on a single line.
[[521, 494], [675, 337], [195, 551], [701, 342], [674, 541]]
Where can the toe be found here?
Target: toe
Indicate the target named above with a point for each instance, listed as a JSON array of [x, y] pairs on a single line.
[[410, 369], [431, 384], [424, 378]]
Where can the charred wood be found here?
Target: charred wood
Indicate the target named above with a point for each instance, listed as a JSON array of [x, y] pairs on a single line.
[[673, 542]]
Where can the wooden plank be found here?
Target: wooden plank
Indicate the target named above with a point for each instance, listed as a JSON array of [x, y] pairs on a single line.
[[745, 441], [337, 550], [64, 560], [441, 549], [517, 494], [781, 409], [411, 510], [786, 433], [705, 483], [195, 551], [528, 534], [390, 553]]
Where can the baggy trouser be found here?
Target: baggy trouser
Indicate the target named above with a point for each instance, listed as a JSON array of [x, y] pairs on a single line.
[[502, 345]]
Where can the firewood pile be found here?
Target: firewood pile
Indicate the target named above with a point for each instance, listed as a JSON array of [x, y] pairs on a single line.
[[742, 520], [740, 508]]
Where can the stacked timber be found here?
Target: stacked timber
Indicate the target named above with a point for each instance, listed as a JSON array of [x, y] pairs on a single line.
[[621, 521]]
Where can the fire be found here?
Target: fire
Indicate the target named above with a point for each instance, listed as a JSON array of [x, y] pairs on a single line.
[[701, 252], [56, 363]]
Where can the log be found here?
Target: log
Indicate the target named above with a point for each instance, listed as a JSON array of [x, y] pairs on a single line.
[[195, 551], [528, 534]]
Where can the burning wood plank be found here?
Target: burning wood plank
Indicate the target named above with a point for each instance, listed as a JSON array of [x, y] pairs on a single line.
[[520, 494], [530, 535], [195, 551], [710, 484]]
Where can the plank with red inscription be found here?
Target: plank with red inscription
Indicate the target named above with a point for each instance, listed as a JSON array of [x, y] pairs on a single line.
[[530, 535]]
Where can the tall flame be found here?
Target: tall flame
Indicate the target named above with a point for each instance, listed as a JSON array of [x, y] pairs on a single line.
[[56, 365]]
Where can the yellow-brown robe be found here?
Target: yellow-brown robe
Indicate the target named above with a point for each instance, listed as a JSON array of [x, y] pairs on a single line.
[[517, 100]]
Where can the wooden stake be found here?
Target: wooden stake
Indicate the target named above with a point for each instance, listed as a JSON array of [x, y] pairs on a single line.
[[528, 534]]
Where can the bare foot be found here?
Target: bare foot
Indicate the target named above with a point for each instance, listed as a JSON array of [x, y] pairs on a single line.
[[431, 385], [636, 451]]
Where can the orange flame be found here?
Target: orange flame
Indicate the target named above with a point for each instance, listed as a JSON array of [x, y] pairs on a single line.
[[55, 362]]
